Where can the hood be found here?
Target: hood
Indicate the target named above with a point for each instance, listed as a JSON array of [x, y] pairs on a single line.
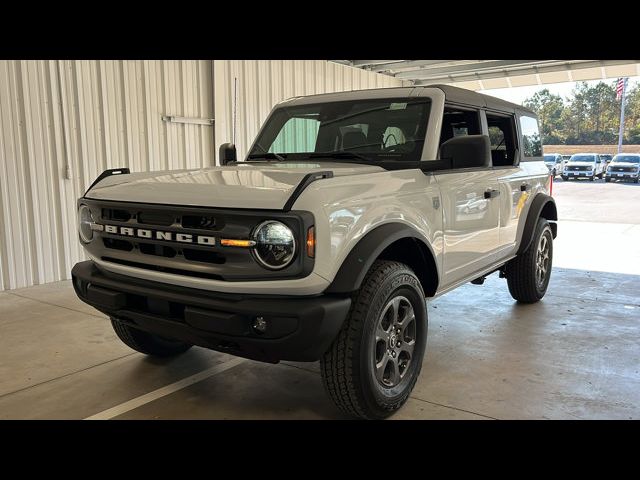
[[623, 164], [253, 185]]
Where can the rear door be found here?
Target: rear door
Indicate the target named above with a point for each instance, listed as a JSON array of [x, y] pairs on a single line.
[[521, 176]]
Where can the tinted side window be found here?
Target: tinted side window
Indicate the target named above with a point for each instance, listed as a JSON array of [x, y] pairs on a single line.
[[531, 142], [502, 137], [457, 122]]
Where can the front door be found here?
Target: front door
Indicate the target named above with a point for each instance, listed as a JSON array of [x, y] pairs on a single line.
[[471, 209]]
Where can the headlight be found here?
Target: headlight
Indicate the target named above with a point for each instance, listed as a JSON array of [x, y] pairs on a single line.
[[275, 245], [84, 223]]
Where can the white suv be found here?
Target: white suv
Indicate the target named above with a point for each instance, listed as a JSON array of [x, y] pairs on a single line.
[[348, 212], [624, 166], [584, 165], [554, 163]]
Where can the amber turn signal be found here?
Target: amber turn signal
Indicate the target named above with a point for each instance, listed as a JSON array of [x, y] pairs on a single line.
[[311, 242], [229, 242]]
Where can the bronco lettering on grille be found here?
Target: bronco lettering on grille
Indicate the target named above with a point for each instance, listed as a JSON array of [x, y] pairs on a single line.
[[155, 234]]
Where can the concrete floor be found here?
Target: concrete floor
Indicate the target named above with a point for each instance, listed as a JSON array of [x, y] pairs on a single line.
[[573, 355]]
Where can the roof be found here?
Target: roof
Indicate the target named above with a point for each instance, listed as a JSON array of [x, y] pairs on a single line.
[[469, 97], [452, 94]]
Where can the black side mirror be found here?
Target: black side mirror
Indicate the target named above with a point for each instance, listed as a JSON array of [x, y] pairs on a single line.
[[227, 153], [467, 151]]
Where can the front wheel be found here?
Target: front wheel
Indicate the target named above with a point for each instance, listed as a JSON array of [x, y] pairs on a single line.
[[565, 178], [373, 364], [528, 274], [607, 179]]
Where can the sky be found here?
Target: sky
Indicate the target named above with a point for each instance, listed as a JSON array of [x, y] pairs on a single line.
[[519, 94]]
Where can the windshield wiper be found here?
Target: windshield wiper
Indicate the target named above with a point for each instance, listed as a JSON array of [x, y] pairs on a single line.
[[268, 155], [341, 155]]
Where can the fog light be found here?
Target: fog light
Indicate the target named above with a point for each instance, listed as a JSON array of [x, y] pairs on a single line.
[[259, 325]]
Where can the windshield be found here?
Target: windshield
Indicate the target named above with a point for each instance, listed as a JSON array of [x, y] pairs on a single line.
[[626, 159], [372, 130], [549, 158], [582, 158], [606, 158]]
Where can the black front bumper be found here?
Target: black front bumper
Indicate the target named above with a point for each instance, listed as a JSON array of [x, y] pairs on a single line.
[[298, 328]]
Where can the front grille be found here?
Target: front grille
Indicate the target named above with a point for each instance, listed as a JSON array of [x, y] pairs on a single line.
[[578, 169], [622, 169], [186, 240], [157, 218]]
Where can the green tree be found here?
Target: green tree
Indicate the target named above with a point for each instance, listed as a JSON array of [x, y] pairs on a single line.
[[589, 116], [632, 115], [549, 108]]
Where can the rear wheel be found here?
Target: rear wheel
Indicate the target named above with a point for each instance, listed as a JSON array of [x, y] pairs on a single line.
[[528, 274], [373, 364], [147, 343]]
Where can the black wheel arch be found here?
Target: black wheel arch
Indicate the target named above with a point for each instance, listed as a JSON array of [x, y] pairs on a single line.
[[544, 206], [391, 241]]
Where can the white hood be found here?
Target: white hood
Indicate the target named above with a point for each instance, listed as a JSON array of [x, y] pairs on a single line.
[[253, 185], [623, 164]]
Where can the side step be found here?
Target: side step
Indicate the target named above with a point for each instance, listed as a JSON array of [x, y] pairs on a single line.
[[480, 280]]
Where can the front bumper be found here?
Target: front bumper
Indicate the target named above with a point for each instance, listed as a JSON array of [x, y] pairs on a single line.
[[622, 175], [298, 328], [579, 174]]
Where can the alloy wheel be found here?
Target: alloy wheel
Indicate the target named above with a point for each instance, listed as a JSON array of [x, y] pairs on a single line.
[[395, 341], [543, 260]]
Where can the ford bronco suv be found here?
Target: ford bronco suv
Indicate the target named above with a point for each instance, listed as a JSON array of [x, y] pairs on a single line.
[[349, 211]]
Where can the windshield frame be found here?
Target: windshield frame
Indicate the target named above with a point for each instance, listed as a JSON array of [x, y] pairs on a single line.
[[430, 144]]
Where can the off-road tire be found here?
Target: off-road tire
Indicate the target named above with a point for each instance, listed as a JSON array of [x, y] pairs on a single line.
[[347, 368], [147, 343], [521, 271]]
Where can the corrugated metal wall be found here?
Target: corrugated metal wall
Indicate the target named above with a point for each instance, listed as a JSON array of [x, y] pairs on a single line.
[[78, 118], [258, 85]]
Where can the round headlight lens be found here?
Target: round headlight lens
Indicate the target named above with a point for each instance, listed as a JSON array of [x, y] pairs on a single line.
[[84, 223], [275, 245]]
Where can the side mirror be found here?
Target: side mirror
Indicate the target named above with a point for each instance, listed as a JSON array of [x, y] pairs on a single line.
[[227, 153], [467, 151]]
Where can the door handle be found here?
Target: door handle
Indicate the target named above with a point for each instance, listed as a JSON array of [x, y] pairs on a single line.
[[491, 193], [525, 187]]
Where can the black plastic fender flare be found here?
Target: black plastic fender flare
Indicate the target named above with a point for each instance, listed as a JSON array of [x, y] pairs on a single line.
[[540, 201], [366, 251]]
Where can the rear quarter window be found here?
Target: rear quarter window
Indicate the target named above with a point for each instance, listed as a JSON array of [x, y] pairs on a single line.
[[531, 141]]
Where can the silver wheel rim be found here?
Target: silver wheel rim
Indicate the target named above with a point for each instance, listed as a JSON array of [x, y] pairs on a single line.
[[395, 341], [543, 260]]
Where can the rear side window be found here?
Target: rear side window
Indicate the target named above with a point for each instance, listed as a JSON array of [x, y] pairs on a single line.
[[501, 135], [531, 142]]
